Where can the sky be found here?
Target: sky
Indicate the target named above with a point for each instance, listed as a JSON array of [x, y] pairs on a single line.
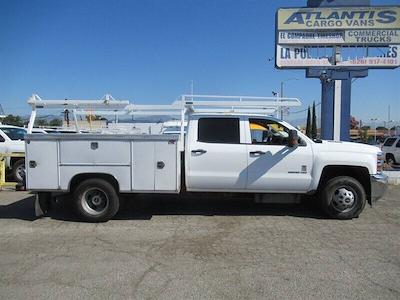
[[148, 51]]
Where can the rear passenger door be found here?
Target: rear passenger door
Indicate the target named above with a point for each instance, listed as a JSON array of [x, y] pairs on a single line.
[[216, 155]]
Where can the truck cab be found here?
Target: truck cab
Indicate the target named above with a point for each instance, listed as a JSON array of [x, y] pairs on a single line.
[[245, 153]]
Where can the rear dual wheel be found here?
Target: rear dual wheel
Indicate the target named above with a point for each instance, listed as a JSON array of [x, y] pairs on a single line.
[[96, 200]]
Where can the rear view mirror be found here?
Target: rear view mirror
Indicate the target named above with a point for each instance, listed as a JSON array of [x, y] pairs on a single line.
[[293, 138]]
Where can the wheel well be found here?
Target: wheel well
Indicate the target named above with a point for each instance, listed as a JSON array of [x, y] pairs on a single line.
[[359, 173], [81, 177], [13, 160], [389, 155]]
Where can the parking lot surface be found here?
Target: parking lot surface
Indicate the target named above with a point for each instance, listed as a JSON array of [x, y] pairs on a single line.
[[168, 248]]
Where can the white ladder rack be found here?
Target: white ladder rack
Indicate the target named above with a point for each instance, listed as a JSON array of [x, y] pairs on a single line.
[[187, 104]]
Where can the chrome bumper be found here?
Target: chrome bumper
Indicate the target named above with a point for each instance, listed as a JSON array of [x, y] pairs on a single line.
[[378, 186]]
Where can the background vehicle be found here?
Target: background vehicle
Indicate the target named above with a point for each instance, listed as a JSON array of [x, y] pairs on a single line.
[[12, 140], [391, 150], [228, 152]]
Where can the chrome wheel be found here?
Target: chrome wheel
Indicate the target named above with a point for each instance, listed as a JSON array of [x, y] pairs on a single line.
[[343, 199], [95, 201]]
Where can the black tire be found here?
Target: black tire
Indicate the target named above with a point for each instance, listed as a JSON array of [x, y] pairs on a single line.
[[390, 159], [343, 198], [96, 200], [18, 171]]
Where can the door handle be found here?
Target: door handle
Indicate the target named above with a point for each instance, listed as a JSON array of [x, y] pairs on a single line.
[[199, 151], [257, 152]]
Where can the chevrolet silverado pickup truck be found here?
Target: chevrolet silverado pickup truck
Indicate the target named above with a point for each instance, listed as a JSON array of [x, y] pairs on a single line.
[[222, 147], [219, 153]]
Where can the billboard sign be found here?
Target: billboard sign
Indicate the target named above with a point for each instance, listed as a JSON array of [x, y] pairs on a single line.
[[302, 34], [330, 18], [304, 57]]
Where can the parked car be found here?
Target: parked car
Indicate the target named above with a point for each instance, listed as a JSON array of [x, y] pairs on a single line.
[[391, 150], [12, 140]]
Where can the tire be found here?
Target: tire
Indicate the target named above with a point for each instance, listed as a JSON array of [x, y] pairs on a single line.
[[96, 200], [343, 198], [18, 171], [390, 159]]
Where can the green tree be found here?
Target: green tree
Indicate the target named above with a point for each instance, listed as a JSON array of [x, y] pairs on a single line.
[[13, 120], [55, 123], [308, 126], [314, 123], [41, 122]]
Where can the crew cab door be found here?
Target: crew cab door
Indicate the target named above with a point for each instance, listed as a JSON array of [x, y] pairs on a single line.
[[216, 156], [273, 166]]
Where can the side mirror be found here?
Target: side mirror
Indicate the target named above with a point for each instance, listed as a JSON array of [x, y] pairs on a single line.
[[293, 138]]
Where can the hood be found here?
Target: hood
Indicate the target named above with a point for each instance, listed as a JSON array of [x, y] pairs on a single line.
[[16, 146], [337, 146]]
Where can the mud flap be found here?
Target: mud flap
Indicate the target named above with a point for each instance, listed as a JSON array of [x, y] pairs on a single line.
[[42, 204]]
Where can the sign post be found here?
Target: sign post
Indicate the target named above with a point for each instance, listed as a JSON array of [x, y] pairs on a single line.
[[336, 41]]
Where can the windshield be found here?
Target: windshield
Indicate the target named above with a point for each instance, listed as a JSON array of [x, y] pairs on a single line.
[[14, 133]]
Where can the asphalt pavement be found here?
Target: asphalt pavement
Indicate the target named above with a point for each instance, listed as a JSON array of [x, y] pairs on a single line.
[[205, 248]]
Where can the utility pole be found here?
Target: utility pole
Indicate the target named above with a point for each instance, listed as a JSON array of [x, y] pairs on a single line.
[[281, 93], [281, 99], [374, 122]]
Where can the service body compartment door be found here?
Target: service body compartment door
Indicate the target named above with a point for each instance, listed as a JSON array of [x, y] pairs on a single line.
[[154, 165], [166, 165], [143, 165], [95, 152], [42, 165]]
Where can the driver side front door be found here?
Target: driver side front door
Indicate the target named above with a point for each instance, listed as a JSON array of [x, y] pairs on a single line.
[[273, 166]]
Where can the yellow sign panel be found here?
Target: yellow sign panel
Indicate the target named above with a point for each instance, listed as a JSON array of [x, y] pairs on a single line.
[[383, 17]]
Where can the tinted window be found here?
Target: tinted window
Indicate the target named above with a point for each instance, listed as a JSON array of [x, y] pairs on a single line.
[[219, 130], [398, 144], [14, 133], [389, 142], [2, 140]]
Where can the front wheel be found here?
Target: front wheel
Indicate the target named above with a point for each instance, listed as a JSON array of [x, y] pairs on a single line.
[[343, 198], [96, 200]]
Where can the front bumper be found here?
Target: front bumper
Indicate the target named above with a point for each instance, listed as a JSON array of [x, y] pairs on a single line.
[[378, 186]]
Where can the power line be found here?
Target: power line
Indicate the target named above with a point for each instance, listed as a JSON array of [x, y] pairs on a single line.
[[303, 110]]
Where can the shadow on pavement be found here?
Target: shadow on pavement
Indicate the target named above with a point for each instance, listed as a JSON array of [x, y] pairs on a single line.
[[144, 207], [22, 209]]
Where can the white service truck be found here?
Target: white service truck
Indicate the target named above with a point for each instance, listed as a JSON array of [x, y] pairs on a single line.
[[227, 152]]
